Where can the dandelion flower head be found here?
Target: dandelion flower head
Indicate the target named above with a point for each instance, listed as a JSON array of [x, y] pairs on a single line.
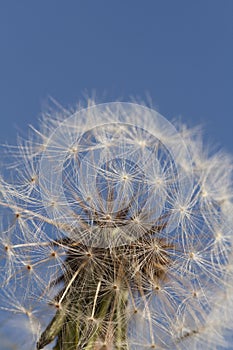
[[116, 233]]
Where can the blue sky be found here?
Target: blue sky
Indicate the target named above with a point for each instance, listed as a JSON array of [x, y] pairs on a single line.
[[179, 52]]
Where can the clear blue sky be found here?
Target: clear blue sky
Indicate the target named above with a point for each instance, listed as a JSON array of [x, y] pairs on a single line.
[[180, 52]]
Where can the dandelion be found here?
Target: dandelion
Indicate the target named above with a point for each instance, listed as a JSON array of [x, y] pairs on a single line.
[[116, 233]]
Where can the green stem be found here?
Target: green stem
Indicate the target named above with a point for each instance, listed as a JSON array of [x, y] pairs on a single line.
[[76, 333]]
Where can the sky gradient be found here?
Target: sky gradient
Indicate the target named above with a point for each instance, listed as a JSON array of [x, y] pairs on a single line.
[[180, 53]]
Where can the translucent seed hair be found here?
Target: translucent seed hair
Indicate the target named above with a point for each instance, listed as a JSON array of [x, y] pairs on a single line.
[[116, 232]]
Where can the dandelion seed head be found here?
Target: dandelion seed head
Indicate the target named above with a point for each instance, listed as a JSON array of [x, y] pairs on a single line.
[[118, 226]]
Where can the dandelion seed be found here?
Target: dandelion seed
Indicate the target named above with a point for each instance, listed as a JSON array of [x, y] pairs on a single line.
[[116, 233]]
